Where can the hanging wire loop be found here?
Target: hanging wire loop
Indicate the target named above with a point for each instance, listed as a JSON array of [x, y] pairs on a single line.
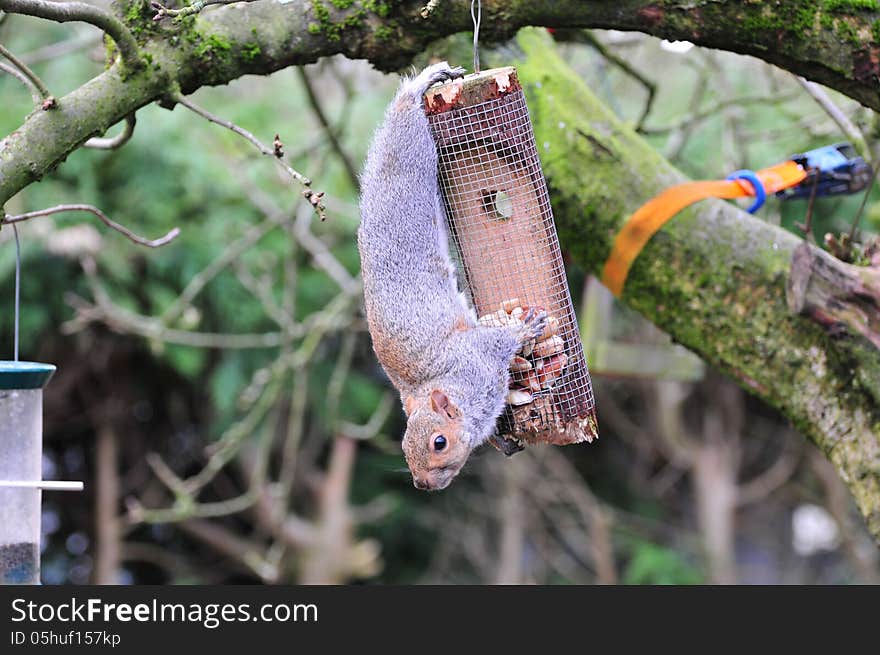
[[475, 17]]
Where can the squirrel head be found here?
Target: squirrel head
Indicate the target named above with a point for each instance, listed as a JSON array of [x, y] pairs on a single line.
[[435, 444]]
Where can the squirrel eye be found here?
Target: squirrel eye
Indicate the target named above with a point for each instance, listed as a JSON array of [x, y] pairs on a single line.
[[439, 442]]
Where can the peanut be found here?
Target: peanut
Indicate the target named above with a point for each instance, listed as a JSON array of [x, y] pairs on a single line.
[[549, 347], [509, 305], [518, 397]]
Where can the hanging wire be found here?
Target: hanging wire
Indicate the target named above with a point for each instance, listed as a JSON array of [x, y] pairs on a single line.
[[476, 19], [17, 288]]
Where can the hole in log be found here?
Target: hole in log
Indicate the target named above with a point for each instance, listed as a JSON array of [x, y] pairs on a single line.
[[497, 204]]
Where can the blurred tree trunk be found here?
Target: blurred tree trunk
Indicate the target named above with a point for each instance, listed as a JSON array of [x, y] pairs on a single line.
[[108, 542], [714, 278]]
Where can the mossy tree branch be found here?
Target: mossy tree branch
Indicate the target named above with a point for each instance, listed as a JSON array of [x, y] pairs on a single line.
[[64, 12], [836, 43], [714, 277]]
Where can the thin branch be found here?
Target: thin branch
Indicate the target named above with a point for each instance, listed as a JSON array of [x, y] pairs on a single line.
[[228, 445], [27, 72], [709, 112], [275, 153], [763, 484], [371, 428], [183, 511], [59, 49], [245, 552], [201, 279], [628, 69], [63, 12], [168, 238], [846, 126], [165, 475], [149, 328], [261, 289], [179, 14], [112, 143], [318, 110], [17, 74]]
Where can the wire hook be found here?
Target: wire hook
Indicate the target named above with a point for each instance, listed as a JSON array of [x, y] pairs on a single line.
[[476, 20]]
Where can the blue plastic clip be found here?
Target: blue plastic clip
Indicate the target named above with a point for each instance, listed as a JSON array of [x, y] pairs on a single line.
[[757, 185]]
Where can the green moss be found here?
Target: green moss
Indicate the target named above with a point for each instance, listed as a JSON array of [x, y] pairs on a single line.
[[138, 17], [384, 33], [333, 29], [846, 32], [251, 51], [875, 31], [381, 9], [212, 46], [793, 17], [849, 6]]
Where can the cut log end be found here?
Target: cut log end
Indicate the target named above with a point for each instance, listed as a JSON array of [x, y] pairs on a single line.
[[839, 296], [471, 90]]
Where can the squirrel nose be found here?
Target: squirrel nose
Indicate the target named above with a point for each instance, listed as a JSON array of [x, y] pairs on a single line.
[[421, 483]]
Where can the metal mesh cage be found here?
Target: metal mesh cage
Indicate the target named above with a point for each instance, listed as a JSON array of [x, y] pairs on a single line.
[[501, 222]]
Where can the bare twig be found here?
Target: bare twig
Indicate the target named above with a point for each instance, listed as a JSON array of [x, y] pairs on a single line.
[[179, 14], [168, 238], [111, 143], [166, 476], [273, 152], [628, 69], [329, 130], [371, 428], [220, 263], [63, 12], [245, 552], [61, 48], [712, 110], [148, 327], [35, 81], [17, 74], [846, 126], [300, 229], [769, 480], [183, 511]]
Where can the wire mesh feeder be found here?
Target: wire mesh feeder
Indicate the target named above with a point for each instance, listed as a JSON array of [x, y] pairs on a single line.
[[499, 215]]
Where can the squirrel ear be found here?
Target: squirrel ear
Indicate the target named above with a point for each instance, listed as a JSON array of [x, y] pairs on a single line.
[[441, 404], [409, 405]]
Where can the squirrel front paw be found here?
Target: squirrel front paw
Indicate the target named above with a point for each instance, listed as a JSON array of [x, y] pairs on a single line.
[[439, 72], [533, 325]]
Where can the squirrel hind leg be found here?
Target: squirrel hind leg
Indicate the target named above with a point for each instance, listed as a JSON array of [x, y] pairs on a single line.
[[439, 72]]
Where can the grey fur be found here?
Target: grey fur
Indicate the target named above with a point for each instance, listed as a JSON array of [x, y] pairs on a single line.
[[411, 294]]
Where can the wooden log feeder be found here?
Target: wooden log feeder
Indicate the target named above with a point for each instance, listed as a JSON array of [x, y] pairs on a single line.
[[501, 222]]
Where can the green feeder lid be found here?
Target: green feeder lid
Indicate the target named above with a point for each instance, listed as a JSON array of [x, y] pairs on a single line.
[[25, 375]]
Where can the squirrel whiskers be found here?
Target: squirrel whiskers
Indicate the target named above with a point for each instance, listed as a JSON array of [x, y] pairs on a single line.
[[452, 374]]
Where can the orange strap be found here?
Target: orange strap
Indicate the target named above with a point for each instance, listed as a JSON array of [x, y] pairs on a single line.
[[654, 214]]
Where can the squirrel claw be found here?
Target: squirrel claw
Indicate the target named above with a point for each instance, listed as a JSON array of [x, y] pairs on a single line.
[[534, 323], [439, 72]]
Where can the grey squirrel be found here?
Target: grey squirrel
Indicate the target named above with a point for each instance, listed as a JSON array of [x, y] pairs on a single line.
[[452, 374]]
